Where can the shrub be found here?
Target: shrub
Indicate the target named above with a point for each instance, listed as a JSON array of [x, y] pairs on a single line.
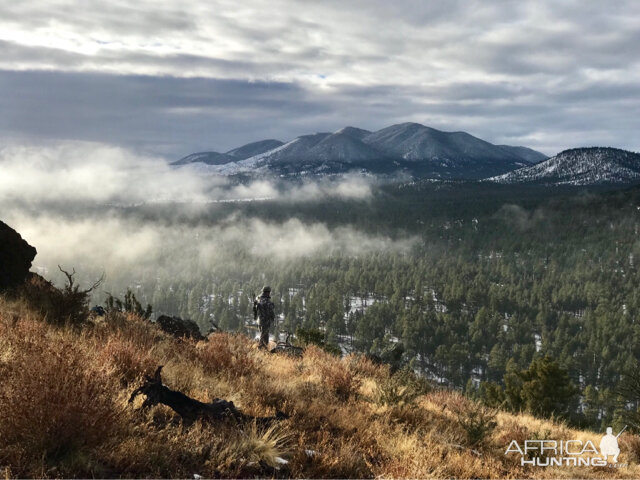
[[365, 367], [491, 394], [310, 336], [66, 306], [334, 372], [129, 361], [402, 388], [138, 331], [631, 445], [477, 421], [56, 403], [130, 304], [229, 354]]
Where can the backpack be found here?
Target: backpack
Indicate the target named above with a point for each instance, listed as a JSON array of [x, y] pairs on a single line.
[[264, 308]]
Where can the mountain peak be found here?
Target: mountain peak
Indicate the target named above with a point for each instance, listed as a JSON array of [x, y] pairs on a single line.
[[406, 125], [355, 132]]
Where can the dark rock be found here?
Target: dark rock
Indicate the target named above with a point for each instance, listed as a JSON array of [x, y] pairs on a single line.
[[16, 256], [179, 327]]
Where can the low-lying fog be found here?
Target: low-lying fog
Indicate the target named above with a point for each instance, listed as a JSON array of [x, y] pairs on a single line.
[[68, 200]]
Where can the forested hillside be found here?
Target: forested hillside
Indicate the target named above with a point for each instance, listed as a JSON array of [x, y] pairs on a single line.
[[486, 280]]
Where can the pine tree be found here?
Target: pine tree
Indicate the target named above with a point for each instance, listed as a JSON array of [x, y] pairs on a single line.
[[544, 389]]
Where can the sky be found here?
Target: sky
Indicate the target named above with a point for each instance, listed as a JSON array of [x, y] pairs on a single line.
[[171, 78]]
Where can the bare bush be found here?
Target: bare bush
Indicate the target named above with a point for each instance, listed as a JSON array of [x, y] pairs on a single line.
[[66, 306], [128, 359], [56, 404], [335, 373], [229, 354]]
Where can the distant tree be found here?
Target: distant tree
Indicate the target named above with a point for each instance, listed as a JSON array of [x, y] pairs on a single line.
[[491, 394], [130, 304], [544, 389], [591, 402]]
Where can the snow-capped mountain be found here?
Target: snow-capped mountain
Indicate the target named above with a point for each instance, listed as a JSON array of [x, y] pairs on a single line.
[[208, 158], [240, 153], [580, 166], [294, 150], [412, 141], [344, 147], [409, 148], [253, 149]]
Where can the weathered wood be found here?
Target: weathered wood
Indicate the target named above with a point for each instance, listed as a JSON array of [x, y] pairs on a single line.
[[287, 348], [191, 409]]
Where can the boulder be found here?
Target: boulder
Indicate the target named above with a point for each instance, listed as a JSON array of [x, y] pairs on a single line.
[[16, 256]]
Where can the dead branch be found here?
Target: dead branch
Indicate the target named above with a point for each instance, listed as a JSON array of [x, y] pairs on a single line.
[[70, 280]]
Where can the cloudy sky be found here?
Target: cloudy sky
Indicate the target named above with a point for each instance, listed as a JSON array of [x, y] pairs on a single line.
[[172, 77]]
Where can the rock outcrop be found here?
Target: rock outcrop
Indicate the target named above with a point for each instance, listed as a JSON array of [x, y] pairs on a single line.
[[16, 256]]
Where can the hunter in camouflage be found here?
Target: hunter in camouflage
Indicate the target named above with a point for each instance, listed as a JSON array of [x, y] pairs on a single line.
[[263, 310]]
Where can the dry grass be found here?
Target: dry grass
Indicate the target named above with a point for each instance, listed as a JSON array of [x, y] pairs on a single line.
[[228, 354], [334, 373], [57, 401], [64, 392]]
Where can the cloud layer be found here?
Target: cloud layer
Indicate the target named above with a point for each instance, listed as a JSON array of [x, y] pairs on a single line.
[[67, 200], [114, 243], [86, 174], [174, 78]]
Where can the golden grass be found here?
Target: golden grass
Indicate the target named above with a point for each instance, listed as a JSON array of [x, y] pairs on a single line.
[[64, 392]]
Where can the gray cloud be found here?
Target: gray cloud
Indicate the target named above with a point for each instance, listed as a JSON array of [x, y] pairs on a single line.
[[175, 78]]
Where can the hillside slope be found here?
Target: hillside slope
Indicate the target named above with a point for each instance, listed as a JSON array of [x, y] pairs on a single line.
[[348, 418], [526, 154], [580, 166]]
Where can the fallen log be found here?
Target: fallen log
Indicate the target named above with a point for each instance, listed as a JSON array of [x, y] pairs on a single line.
[[191, 409], [287, 348]]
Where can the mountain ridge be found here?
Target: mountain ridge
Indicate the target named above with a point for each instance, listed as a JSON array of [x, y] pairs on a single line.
[[408, 148], [580, 166]]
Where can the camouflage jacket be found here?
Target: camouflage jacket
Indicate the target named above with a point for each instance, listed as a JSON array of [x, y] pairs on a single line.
[[263, 310]]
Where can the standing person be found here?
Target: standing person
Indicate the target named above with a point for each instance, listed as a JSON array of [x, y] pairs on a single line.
[[263, 311]]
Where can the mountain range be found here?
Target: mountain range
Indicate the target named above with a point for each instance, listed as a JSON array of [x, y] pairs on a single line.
[[580, 166], [408, 148]]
